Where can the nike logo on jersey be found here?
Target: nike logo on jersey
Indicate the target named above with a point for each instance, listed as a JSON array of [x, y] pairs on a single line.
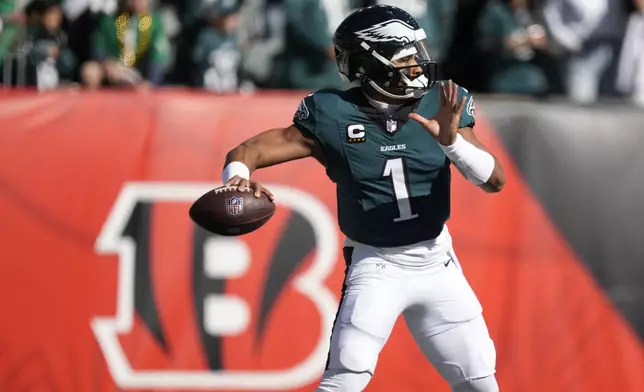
[[446, 264], [393, 148]]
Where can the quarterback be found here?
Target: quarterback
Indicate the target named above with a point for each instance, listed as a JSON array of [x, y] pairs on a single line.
[[388, 142]]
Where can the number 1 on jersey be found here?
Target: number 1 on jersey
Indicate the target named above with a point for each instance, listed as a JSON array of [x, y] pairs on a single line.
[[395, 169]]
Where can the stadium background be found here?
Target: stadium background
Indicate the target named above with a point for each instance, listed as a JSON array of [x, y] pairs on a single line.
[[106, 285]]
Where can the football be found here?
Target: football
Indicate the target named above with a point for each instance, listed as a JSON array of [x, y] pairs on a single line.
[[230, 212]]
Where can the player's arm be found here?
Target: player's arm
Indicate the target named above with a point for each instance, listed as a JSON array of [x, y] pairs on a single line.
[[479, 165], [273, 147], [452, 129], [266, 149]]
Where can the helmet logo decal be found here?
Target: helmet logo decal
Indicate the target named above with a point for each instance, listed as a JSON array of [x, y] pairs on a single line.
[[390, 30]]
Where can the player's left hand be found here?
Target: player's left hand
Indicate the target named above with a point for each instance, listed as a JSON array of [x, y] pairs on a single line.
[[444, 126]]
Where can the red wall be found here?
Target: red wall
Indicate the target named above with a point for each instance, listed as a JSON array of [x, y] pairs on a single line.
[[73, 167]]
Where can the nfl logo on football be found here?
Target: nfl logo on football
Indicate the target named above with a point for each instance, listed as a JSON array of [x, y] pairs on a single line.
[[234, 206]]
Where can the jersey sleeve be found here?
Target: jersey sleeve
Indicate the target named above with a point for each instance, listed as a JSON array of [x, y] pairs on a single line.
[[306, 119], [468, 117]]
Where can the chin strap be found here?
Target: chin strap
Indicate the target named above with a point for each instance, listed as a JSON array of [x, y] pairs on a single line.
[[411, 92]]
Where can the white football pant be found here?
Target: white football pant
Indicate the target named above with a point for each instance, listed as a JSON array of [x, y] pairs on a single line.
[[425, 283]]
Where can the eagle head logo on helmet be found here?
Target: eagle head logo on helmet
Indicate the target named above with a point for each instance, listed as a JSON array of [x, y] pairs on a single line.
[[391, 30]]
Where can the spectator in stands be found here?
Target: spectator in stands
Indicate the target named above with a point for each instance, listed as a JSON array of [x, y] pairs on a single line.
[[129, 48], [262, 34], [33, 14], [11, 17], [436, 17], [50, 61], [591, 31], [81, 20], [10, 12], [630, 79], [217, 55], [511, 39], [308, 61], [439, 25]]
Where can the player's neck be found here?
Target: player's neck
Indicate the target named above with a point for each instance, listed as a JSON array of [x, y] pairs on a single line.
[[381, 102]]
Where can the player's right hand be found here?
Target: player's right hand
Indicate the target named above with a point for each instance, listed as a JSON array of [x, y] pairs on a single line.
[[243, 185]]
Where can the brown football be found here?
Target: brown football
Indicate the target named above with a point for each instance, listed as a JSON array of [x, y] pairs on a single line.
[[227, 211]]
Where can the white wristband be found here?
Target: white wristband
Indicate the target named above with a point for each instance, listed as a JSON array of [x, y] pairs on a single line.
[[235, 169], [475, 164]]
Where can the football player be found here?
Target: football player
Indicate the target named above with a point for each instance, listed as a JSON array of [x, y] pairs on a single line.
[[388, 142]]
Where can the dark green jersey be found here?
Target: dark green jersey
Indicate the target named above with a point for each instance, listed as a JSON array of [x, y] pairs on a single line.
[[393, 180]]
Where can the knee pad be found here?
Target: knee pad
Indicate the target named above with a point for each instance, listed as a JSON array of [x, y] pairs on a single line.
[[355, 351], [478, 364], [483, 362], [485, 384], [476, 360], [343, 381]]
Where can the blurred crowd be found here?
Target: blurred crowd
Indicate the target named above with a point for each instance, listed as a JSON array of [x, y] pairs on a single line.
[[583, 49]]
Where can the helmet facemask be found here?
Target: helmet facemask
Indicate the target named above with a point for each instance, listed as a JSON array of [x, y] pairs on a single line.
[[409, 73]]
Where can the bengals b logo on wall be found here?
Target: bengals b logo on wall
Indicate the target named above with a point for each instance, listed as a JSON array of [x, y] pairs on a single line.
[[199, 311]]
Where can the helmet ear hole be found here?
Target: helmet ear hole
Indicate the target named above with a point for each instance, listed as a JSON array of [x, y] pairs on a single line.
[[342, 58]]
